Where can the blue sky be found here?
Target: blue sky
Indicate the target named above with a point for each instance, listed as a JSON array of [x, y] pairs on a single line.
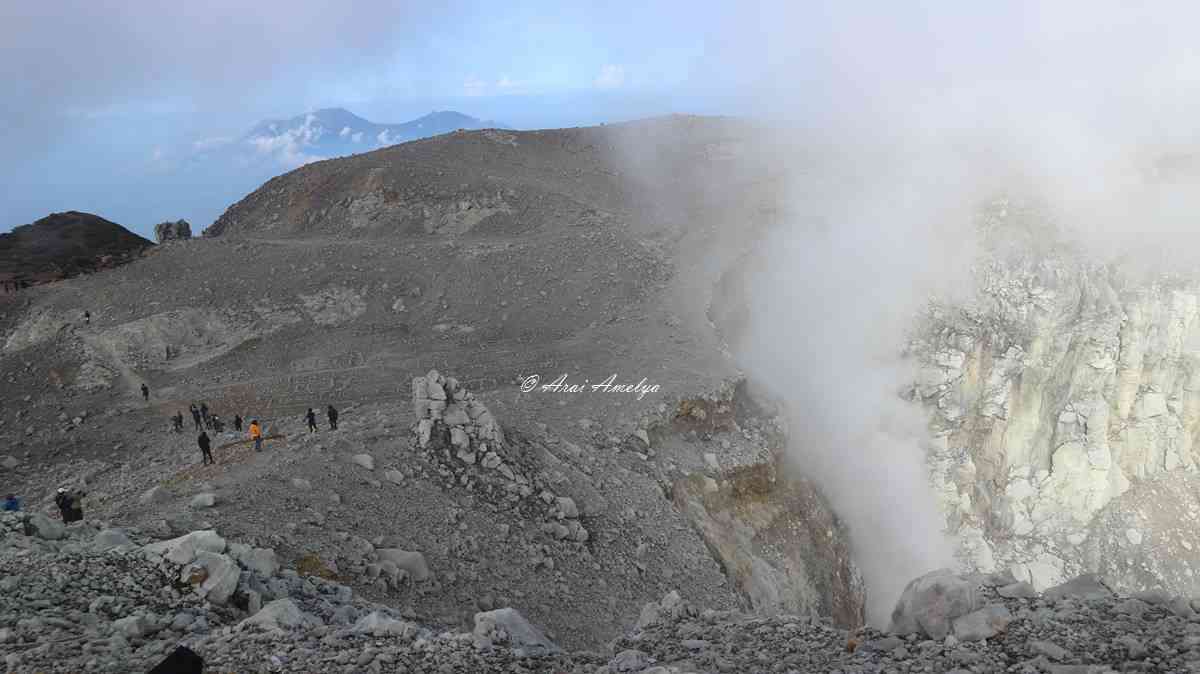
[[99, 97]]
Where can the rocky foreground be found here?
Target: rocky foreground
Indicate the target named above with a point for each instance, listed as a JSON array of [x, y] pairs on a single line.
[[92, 598]]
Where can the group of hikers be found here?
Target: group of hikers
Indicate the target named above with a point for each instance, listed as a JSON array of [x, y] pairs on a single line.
[[330, 414], [205, 422]]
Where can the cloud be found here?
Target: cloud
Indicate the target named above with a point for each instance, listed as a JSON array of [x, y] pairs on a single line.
[[289, 147], [93, 56], [344, 132], [358, 137], [385, 139], [610, 77]]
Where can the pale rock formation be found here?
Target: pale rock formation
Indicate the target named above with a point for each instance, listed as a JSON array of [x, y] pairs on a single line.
[[1052, 391]]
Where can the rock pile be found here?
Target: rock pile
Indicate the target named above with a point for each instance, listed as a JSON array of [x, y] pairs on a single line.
[[462, 436], [172, 231], [85, 598], [91, 598]]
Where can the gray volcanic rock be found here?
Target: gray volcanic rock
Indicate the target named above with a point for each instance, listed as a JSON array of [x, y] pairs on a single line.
[[179, 230]]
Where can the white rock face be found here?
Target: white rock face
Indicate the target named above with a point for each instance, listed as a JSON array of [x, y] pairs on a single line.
[[1049, 393], [183, 550], [507, 626], [412, 562]]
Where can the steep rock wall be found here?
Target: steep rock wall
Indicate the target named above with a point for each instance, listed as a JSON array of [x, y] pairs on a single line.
[[1051, 392]]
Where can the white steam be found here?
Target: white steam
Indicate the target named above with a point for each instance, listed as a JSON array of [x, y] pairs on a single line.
[[902, 121]]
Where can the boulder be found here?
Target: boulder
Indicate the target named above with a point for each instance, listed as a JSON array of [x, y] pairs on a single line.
[[380, 625], [155, 494], [985, 623], [205, 500], [260, 560], [394, 476], [180, 230], [220, 576], [279, 615], [1087, 586], [107, 539], [45, 528], [930, 603], [183, 550], [412, 562], [365, 460], [507, 626], [301, 484], [629, 660], [567, 508], [135, 626]]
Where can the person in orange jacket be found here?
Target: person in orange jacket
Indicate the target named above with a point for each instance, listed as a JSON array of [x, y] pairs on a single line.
[[256, 435]]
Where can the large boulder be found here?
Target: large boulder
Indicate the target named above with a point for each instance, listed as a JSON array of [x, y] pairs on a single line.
[[1088, 586], [380, 625], [259, 560], [179, 230], [508, 627], [183, 550], [279, 615], [108, 539], [217, 573], [45, 528], [930, 603], [412, 562]]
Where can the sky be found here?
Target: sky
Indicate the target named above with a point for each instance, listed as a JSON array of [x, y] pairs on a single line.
[[99, 98], [99, 95]]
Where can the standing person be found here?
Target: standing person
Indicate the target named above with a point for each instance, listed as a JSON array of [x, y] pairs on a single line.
[[177, 422], [206, 448], [218, 426], [87, 317], [332, 414], [311, 417], [204, 414], [145, 392], [61, 499], [76, 504], [195, 415], [237, 423], [256, 435]]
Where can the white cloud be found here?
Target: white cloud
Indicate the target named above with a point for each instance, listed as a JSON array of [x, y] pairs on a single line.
[[384, 139], [344, 132], [610, 77], [358, 137], [288, 147]]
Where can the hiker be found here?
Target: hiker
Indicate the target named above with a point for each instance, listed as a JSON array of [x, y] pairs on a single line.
[[218, 426], [256, 435], [62, 501], [11, 504], [87, 318], [70, 504], [177, 422], [206, 448], [145, 392], [311, 417], [332, 414], [195, 415], [204, 414], [237, 423]]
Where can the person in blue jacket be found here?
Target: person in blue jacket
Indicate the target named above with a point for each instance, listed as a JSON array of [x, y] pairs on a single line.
[[11, 504]]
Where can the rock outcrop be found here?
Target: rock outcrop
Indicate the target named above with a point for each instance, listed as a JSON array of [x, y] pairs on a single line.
[[1053, 391], [179, 230]]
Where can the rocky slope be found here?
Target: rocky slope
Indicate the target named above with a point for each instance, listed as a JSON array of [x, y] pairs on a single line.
[[91, 597], [62, 245]]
